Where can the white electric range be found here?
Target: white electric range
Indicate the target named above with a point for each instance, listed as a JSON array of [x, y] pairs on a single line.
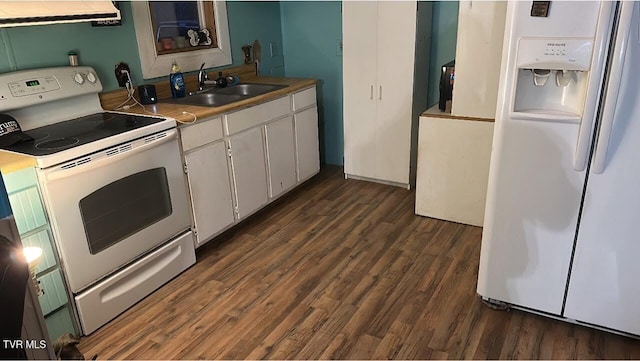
[[112, 184]]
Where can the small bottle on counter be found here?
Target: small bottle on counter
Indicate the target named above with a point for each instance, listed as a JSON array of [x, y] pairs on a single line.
[[176, 81], [73, 58]]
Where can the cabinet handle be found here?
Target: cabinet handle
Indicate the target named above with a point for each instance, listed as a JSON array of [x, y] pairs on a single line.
[[380, 94], [371, 96]]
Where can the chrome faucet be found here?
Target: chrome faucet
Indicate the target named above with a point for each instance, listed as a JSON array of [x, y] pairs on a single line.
[[202, 77]]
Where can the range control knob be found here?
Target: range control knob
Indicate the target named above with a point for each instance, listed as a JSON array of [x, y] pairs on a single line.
[[78, 78], [91, 77]]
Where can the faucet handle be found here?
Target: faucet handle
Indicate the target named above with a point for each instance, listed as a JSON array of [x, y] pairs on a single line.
[[202, 66], [222, 81]]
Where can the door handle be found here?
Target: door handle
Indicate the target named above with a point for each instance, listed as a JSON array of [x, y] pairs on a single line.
[[380, 94], [613, 87], [371, 96], [585, 132]]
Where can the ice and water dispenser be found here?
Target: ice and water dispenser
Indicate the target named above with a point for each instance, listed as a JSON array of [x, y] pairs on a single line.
[[552, 76]]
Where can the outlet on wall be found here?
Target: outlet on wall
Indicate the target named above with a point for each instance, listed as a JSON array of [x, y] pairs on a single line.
[[121, 76]]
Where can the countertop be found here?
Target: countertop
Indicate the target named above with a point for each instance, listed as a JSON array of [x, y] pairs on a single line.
[[435, 112], [10, 162], [175, 111]]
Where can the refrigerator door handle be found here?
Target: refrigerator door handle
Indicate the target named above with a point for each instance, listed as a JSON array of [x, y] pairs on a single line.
[[585, 132], [613, 86]]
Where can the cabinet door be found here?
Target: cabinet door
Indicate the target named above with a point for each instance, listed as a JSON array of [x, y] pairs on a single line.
[[604, 288], [210, 190], [249, 171], [307, 154], [359, 28], [280, 156], [395, 53]]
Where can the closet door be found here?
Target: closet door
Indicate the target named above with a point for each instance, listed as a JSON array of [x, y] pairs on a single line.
[[359, 28], [395, 54]]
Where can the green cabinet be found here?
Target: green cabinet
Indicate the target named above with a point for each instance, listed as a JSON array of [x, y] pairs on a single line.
[[35, 231]]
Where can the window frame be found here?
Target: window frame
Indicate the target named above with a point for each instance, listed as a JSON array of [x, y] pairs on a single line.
[[154, 65]]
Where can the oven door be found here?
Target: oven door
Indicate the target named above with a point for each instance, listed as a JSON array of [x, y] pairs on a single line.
[[111, 207]]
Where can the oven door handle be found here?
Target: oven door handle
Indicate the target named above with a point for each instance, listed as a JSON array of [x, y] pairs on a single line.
[[104, 158]]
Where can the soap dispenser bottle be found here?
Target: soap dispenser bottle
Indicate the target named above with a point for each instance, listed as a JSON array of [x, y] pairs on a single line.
[[176, 81]]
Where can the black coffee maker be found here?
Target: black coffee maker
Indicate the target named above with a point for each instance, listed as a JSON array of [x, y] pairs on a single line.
[[447, 76]]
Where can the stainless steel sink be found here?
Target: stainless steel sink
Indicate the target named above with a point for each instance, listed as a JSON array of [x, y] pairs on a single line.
[[208, 99], [248, 89], [216, 97]]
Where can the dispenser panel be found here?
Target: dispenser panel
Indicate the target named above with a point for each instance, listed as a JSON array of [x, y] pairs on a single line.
[[555, 53]]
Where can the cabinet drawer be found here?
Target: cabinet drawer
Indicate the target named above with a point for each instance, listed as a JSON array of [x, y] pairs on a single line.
[[199, 134], [110, 297], [250, 117], [304, 98]]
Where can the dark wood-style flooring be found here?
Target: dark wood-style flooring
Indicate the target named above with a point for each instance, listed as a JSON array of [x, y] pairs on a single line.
[[340, 269]]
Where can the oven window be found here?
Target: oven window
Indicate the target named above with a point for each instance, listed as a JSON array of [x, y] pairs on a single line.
[[124, 207]]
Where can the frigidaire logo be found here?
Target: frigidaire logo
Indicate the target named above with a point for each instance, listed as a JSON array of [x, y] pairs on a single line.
[[556, 44], [24, 344]]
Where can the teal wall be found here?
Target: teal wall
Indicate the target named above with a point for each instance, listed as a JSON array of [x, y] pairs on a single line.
[[311, 32], [100, 47], [104, 47], [257, 20], [305, 35], [444, 32]]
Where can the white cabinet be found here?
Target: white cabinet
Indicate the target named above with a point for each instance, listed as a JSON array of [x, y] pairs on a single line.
[[239, 162], [249, 171], [478, 56], [383, 94], [280, 156], [453, 168], [305, 121], [210, 190], [454, 149], [208, 178], [307, 156], [359, 64]]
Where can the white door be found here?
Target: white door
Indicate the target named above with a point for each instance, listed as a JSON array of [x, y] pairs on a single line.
[[280, 156], [249, 171], [604, 287], [394, 92], [210, 190], [359, 29], [534, 193], [307, 156]]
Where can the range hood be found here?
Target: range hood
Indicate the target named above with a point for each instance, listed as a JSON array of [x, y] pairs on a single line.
[[26, 12]]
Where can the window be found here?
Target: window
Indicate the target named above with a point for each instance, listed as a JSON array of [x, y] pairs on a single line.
[[124, 207], [177, 26], [162, 32]]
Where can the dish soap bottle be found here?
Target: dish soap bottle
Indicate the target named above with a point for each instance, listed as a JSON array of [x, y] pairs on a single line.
[[176, 81]]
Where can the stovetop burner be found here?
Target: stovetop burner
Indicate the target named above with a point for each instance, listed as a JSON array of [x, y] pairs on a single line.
[[38, 136], [72, 133], [58, 143]]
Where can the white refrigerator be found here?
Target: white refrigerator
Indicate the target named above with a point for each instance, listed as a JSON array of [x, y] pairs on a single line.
[[562, 224]]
